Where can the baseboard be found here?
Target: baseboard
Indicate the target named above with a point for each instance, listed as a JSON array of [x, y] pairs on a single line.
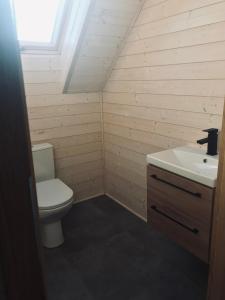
[[88, 198], [126, 207]]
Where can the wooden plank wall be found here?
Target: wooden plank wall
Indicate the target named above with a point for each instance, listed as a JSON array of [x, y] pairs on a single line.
[[106, 28], [71, 122], [167, 85]]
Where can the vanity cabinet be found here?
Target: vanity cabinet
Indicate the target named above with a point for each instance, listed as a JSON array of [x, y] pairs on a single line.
[[182, 209]]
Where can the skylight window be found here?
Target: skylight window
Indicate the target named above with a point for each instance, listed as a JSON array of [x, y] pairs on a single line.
[[38, 21]]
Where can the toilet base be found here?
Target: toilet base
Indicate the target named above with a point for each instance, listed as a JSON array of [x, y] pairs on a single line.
[[52, 234]]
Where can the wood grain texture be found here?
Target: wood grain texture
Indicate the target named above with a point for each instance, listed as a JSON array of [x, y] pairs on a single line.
[[167, 85], [182, 209], [71, 122], [105, 29]]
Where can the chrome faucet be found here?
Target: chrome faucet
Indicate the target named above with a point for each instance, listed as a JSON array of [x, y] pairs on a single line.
[[212, 141]]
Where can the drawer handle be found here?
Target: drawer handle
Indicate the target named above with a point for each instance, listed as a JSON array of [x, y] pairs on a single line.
[[177, 187], [193, 230]]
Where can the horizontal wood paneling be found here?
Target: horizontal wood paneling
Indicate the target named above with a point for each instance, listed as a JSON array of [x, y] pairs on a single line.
[[198, 104], [70, 141], [59, 132], [61, 121], [203, 70], [135, 146], [178, 22], [204, 88], [71, 122], [167, 85], [41, 76], [63, 110], [78, 159], [61, 99], [171, 8], [150, 3], [127, 192], [177, 117], [105, 30], [190, 54], [43, 62], [210, 33]]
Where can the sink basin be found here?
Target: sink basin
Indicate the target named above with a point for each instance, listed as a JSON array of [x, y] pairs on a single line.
[[188, 162]]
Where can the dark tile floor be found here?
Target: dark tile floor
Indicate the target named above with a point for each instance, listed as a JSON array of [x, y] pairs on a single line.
[[109, 254]]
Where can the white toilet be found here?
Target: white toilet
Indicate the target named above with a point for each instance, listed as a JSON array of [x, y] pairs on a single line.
[[54, 197]]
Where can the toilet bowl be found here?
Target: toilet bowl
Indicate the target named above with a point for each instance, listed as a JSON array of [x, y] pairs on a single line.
[[55, 198]]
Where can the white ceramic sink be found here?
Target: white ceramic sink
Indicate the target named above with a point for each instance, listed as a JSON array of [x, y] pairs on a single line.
[[188, 162]]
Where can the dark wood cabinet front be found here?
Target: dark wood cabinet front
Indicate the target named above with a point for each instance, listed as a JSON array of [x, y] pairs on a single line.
[[182, 209]]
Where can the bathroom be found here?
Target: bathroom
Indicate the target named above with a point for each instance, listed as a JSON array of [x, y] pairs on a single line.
[[118, 83]]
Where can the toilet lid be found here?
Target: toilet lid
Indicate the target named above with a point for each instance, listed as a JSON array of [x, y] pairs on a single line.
[[53, 193]]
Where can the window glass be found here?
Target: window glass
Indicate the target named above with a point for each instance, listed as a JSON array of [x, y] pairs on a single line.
[[37, 20]]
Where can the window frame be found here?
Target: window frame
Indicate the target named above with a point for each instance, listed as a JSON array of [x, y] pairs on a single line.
[[59, 26]]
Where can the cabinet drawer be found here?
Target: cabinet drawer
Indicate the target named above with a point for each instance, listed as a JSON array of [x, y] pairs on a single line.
[[193, 241], [188, 186], [188, 200], [179, 206]]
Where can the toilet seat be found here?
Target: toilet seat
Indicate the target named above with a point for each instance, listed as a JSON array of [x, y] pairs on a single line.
[[52, 194]]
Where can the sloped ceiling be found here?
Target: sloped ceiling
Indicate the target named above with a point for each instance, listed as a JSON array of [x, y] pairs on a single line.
[[105, 29]]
